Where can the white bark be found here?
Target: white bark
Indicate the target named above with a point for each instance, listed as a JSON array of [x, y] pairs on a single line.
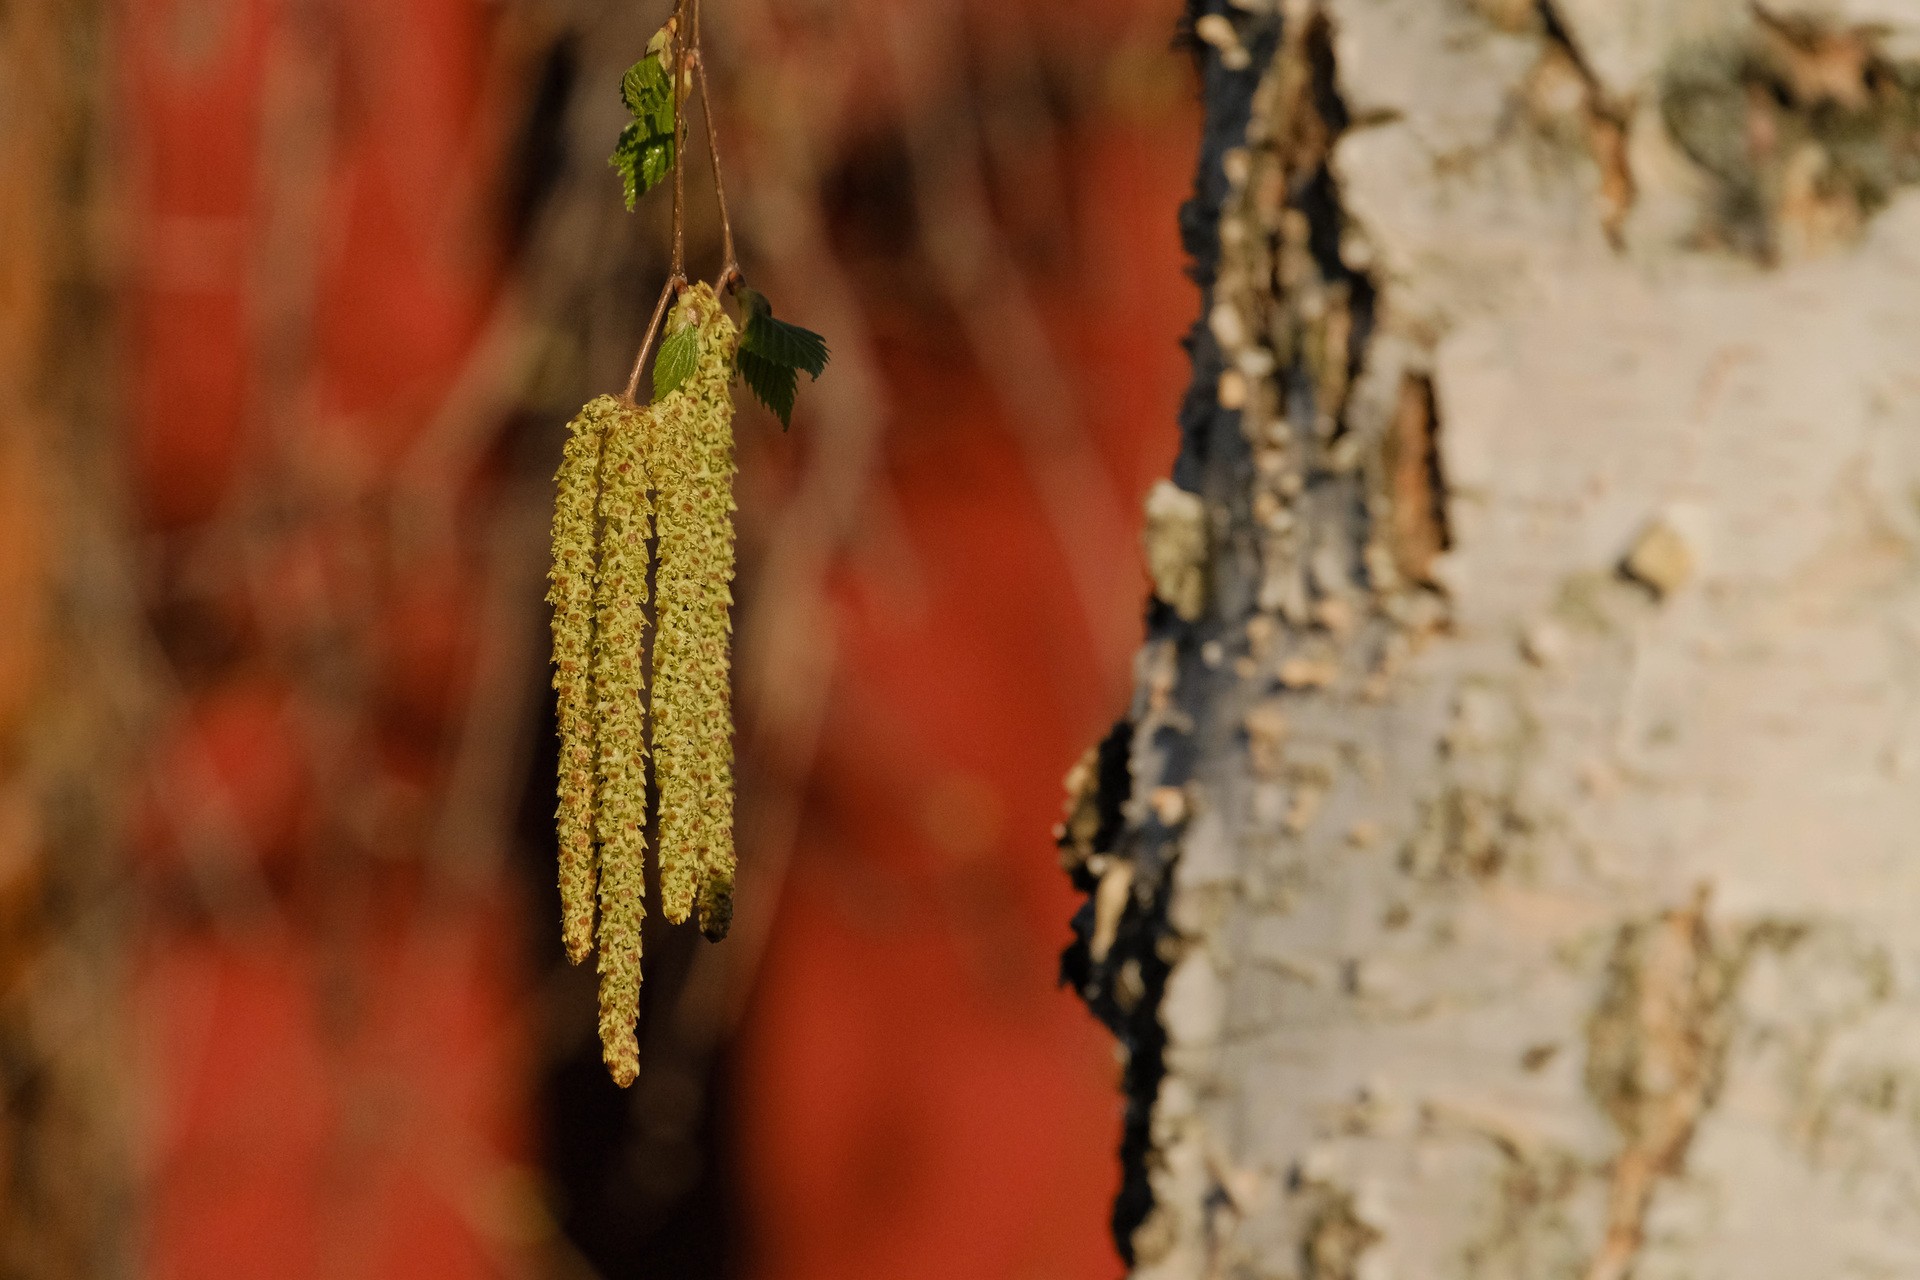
[[1562, 919]]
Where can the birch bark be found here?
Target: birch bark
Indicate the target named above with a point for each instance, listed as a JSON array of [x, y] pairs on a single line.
[[1508, 868]]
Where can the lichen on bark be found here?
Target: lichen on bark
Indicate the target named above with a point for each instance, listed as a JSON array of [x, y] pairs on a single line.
[[1806, 126]]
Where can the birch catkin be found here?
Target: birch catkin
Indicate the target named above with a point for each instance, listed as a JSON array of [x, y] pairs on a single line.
[[571, 594], [663, 473], [713, 428], [692, 701], [618, 669], [630, 473]]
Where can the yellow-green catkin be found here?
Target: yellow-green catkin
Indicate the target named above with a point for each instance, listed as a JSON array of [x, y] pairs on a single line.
[[628, 475], [715, 648], [571, 594], [618, 673], [692, 698]]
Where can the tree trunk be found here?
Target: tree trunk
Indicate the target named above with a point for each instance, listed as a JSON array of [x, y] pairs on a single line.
[[1506, 869]]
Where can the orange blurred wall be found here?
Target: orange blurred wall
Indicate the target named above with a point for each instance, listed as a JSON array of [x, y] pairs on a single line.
[[339, 1055]]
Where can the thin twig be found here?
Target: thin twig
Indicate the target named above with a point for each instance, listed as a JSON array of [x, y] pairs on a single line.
[[730, 272], [646, 342], [682, 72], [686, 14], [730, 265], [688, 68]]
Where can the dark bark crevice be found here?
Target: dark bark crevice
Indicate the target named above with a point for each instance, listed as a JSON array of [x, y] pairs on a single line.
[[1306, 318]]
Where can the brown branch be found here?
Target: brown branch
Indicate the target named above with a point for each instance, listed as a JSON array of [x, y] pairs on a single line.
[[646, 342], [683, 44]]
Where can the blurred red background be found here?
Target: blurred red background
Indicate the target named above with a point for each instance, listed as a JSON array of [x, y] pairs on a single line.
[[346, 999]]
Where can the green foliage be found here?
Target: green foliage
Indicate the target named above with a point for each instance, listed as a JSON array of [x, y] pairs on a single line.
[[645, 154], [773, 385], [679, 355], [782, 343], [773, 353]]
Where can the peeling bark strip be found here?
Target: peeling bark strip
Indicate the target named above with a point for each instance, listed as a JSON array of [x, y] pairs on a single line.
[[1563, 98], [1604, 120], [1419, 520], [1655, 1050]]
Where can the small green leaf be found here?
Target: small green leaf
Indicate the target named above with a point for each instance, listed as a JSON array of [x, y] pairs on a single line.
[[645, 154], [774, 385], [679, 356], [645, 86], [753, 302], [656, 162], [785, 344], [772, 353], [642, 160], [626, 162]]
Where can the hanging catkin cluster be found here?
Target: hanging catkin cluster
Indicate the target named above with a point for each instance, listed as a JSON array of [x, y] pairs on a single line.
[[631, 475], [646, 507]]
